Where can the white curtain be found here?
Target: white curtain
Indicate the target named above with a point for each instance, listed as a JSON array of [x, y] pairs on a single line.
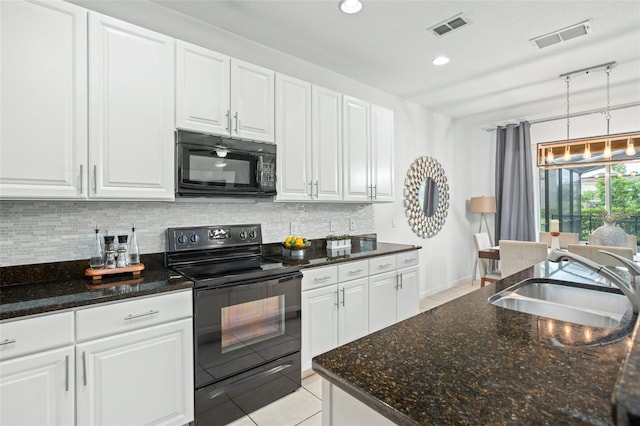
[[516, 212]]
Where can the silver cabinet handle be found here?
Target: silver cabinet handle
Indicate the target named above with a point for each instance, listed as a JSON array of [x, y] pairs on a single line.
[[396, 285], [386, 265], [374, 192], [236, 117], [81, 179], [400, 281], [342, 296], [410, 260], [228, 115], [95, 179], [151, 312], [311, 190], [7, 342], [357, 271], [84, 369], [322, 278], [66, 373], [317, 190], [337, 298]]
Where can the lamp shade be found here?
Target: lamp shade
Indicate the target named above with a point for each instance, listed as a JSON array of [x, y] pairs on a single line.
[[483, 204]]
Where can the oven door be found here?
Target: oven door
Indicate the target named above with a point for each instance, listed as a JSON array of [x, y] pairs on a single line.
[[243, 326], [224, 169]]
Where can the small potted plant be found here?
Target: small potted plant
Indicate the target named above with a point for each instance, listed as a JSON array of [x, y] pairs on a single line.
[[338, 242]]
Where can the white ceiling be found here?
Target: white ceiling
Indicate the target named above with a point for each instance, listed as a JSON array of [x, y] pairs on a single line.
[[495, 74]]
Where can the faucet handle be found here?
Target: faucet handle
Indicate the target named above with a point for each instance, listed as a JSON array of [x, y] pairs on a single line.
[[633, 267]]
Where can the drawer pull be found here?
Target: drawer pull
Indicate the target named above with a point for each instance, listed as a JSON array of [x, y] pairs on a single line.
[[357, 271], [385, 265], [322, 278], [151, 312], [66, 373], [409, 260], [7, 342]]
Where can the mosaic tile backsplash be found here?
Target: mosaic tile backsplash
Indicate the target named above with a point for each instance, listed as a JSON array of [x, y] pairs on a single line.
[[54, 231]]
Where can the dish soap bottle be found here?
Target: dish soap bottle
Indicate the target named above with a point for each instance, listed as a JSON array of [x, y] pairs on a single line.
[[96, 261], [134, 250]]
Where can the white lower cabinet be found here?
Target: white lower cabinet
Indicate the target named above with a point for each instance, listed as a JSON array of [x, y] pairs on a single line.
[[333, 313], [132, 364], [38, 389], [393, 294], [137, 378]]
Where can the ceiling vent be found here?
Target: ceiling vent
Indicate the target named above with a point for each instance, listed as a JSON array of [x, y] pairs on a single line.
[[583, 28], [449, 25]]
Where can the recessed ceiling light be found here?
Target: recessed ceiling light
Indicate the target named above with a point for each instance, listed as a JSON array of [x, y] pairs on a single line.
[[350, 6], [440, 60]]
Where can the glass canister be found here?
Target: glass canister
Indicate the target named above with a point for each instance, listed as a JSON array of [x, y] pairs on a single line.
[[96, 261], [109, 252]]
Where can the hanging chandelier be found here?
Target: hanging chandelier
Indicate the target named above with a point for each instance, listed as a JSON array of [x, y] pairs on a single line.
[[606, 149]]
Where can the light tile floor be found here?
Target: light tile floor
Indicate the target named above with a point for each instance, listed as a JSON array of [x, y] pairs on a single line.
[[303, 407]]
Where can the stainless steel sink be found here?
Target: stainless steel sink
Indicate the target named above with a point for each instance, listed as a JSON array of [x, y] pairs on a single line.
[[564, 302]]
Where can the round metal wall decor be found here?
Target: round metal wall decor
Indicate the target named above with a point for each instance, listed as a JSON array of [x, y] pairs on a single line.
[[426, 197]]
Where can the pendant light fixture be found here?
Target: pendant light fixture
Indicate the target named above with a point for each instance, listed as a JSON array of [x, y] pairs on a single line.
[[606, 149]]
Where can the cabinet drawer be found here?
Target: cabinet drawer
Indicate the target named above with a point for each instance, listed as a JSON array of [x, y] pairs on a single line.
[[319, 277], [352, 270], [409, 258], [120, 317], [35, 334], [378, 265]]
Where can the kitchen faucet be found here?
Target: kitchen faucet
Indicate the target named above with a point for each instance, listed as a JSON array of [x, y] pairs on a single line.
[[630, 288]]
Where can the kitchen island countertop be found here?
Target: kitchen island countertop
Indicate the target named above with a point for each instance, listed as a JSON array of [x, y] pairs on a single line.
[[469, 362]]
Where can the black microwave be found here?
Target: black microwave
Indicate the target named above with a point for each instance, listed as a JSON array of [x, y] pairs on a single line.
[[208, 165]]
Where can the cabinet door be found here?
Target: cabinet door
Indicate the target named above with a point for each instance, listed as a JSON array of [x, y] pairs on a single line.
[[38, 389], [353, 312], [382, 153], [252, 101], [408, 298], [356, 155], [326, 144], [202, 89], [43, 100], [382, 300], [293, 130], [131, 111], [140, 377], [319, 322]]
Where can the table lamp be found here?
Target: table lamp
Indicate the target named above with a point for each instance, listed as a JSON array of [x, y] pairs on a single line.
[[483, 205]]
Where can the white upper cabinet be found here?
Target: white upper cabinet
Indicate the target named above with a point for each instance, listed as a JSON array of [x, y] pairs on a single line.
[[203, 89], [356, 149], [326, 144], [309, 139], [293, 138], [368, 151], [221, 95], [131, 111], [43, 100], [252, 101], [382, 153]]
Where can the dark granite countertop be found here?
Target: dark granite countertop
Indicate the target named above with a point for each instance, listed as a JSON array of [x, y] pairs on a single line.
[[362, 247], [41, 288], [470, 362]]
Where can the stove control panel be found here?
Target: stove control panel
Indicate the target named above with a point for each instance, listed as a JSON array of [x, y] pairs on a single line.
[[210, 237]]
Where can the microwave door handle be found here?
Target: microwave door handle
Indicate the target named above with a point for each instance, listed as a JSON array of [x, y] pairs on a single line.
[[259, 171]]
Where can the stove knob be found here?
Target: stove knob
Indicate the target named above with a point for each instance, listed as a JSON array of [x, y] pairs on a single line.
[[252, 234], [194, 238], [243, 235], [182, 239]]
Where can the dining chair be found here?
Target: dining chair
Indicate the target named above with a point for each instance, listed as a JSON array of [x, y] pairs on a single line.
[[593, 253], [565, 238], [518, 255], [488, 271]]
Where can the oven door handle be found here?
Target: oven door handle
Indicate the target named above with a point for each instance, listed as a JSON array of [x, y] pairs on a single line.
[[241, 382]]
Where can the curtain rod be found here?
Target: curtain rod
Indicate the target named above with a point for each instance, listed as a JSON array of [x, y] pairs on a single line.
[[578, 114]]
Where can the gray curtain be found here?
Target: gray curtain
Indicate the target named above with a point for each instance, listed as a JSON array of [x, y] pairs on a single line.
[[515, 218]]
